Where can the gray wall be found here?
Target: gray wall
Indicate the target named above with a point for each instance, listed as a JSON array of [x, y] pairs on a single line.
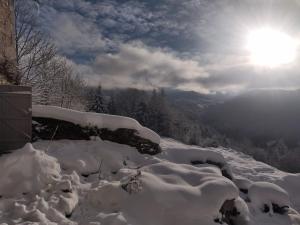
[[15, 117]]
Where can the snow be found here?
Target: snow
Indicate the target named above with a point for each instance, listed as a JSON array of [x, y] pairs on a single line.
[[264, 193], [200, 193], [104, 183], [246, 172], [242, 183], [242, 207], [249, 170], [99, 120], [197, 157], [32, 169], [291, 183]]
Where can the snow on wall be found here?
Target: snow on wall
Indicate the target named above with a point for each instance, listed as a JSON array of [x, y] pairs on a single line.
[[99, 120]]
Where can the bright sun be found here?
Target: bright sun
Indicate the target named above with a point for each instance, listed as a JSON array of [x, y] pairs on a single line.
[[271, 48]]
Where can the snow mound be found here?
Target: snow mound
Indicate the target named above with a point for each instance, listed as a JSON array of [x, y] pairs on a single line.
[[197, 157], [201, 190], [88, 119], [169, 193], [27, 171], [242, 183], [93, 158], [264, 194], [291, 183]]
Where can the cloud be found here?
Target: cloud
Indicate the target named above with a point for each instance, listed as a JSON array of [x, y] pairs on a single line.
[[193, 44], [138, 65], [73, 33], [236, 73]]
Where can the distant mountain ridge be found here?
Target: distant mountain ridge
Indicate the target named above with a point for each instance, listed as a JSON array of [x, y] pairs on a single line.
[[259, 115], [261, 123]]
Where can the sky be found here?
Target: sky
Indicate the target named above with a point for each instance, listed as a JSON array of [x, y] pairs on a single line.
[[197, 45]]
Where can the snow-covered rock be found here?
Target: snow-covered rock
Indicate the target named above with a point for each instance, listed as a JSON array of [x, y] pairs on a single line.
[[88, 119]]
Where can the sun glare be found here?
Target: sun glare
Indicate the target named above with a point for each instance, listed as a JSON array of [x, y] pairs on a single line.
[[271, 48]]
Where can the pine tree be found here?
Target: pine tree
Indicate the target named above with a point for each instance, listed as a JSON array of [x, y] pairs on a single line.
[[96, 101], [111, 107], [141, 113], [159, 115]]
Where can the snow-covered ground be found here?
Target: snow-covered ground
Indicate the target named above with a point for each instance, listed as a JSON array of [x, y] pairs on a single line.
[[99, 182]]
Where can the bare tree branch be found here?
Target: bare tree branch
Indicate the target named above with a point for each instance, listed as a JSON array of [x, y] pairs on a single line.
[[33, 48]]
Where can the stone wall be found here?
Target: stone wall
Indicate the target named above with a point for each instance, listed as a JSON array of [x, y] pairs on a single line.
[[7, 41]]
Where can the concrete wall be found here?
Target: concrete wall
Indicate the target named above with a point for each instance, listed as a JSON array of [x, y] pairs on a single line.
[[15, 117], [7, 38]]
